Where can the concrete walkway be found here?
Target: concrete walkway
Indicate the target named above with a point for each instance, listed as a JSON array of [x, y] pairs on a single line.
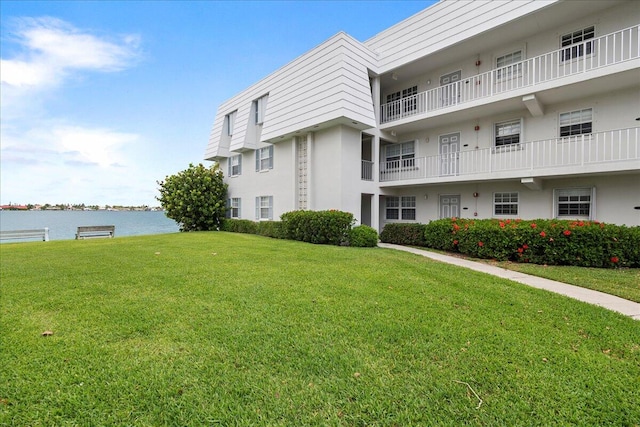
[[626, 307]]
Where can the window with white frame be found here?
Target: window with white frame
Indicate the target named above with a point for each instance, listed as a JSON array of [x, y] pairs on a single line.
[[233, 208], [264, 208], [509, 65], [408, 204], [406, 98], [575, 44], [264, 158], [403, 207], [400, 155], [259, 108], [573, 203], [392, 207], [229, 121], [576, 122], [235, 165], [505, 204], [508, 133]]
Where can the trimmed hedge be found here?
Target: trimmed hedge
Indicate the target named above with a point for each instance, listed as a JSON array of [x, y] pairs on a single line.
[[270, 229], [404, 234], [321, 227], [363, 236], [239, 226], [541, 241]]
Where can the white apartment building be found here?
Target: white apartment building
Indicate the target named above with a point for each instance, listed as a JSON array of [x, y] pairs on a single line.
[[486, 109]]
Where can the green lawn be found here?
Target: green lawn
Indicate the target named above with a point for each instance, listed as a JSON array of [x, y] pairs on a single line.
[[240, 330], [622, 282]]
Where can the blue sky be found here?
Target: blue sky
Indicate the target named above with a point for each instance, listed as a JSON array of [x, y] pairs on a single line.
[[101, 99]]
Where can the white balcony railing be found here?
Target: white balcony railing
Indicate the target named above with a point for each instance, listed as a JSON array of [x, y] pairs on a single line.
[[623, 45], [366, 170], [622, 145]]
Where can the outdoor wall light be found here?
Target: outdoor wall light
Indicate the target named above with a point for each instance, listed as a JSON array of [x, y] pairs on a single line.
[[394, 76]]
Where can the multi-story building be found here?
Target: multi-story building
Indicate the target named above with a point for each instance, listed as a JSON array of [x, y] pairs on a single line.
[[505, 109]]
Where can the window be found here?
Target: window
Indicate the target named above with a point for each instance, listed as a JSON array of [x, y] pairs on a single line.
[[229, 120], [509, 65], [507, 133], [264, 159], [400, 155], [576, 44], [233, 206], [505, 203], [408, 204], [576, 122], [259, 108], [392, 207], [400, 207], [235, 165], [264, 208], [406, 98], [575, 202]]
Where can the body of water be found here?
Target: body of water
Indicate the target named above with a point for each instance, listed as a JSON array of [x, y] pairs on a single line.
[[63, 224]]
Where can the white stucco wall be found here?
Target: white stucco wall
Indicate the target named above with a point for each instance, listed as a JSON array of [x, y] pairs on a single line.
[[616, 197]]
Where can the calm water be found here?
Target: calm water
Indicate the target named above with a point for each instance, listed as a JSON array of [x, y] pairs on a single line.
[[63, 224]]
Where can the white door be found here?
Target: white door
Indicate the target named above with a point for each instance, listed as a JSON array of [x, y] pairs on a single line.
[[450, 88], [449, 154], [449, 206]]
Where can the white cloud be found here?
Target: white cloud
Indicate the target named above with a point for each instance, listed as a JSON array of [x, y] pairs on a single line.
[[52, 48], [57, 163], [96, 146], [50, 159]]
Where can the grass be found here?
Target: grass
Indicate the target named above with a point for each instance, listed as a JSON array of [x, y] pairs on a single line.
[[622, 282], [236, 330]]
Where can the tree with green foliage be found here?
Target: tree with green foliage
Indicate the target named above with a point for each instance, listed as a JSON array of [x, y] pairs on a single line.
[[195, 198]]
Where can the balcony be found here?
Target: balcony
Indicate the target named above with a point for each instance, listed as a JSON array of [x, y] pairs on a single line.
[[366, 170], [615, 150], [592, 54]]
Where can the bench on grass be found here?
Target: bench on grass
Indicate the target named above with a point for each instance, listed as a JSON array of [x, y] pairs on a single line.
[[94, 231], [39, 233]]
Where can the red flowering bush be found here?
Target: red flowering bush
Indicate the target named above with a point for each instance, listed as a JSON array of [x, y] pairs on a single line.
[[553, 242]]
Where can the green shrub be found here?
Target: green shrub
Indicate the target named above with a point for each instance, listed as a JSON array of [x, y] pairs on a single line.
[[541, 241], [439, 234], [363, 236], [195, 198], [403, 234], [270, 229], [239, 226], [321, 227]]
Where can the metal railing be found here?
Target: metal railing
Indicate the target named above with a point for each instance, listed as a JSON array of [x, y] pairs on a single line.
[[591, 54], [366, 170], [620, 145]]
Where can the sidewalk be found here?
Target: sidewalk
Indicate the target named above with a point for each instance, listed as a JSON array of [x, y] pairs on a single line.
[[628, 308]]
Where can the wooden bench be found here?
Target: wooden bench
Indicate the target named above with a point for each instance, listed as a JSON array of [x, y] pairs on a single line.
[[94, 231], [39, 233]]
